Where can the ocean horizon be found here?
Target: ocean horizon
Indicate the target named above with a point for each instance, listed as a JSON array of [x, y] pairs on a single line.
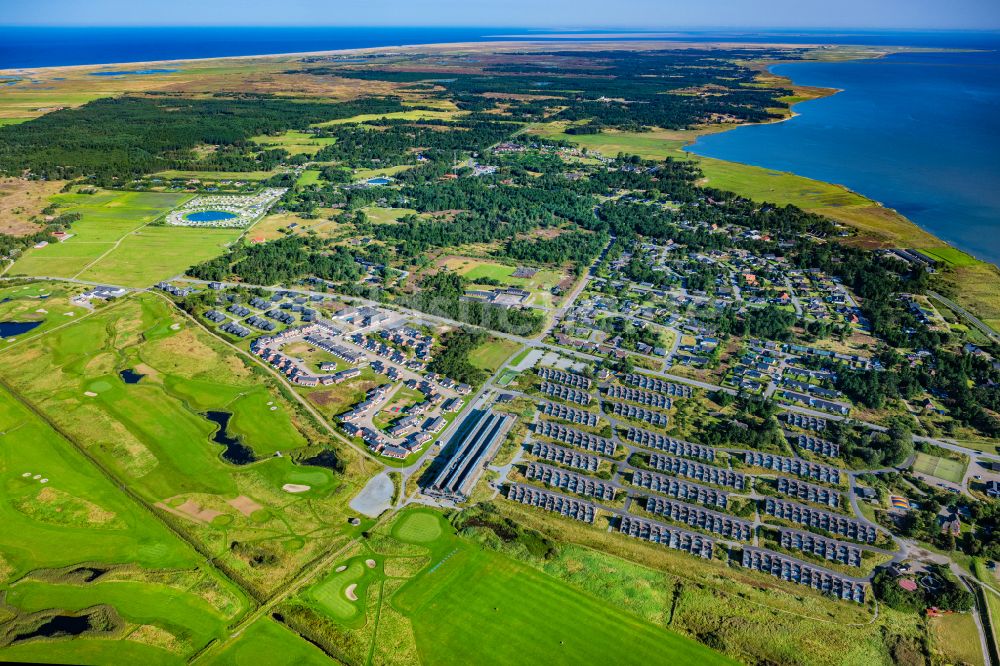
[[27, 47]]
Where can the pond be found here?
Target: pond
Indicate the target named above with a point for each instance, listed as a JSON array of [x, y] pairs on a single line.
[[12, 328], [130, 376], [379, 181], [209, 216], [60, 625], [236, 451]]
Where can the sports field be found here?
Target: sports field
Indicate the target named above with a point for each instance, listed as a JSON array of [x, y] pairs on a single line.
[[113, 243], [942, 468]]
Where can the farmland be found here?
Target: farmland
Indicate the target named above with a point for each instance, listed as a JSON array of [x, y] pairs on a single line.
[[113, 241]]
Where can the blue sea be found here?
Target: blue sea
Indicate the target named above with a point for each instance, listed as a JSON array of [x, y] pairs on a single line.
[[918, 132]]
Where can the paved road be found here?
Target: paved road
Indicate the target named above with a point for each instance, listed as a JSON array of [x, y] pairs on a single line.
[[971, 318]]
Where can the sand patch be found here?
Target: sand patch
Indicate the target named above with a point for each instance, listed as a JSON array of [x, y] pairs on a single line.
[[244, 505], [90, 394], [370, 564], [342, 567], [191, 509], [295, 488], [350, 592]]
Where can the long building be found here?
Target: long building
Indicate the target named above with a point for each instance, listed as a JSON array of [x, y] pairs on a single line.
[[816, 445], [577, 438], [660, 386], [566, 393], [647, 398], [808, 492], [796, 571], [568, 378], [677, 447], [796, 466], [570, 481], [684, 490], [571, 414], [852, 528], [627, 411], [554, 502], [722, 524], [473, 447], [671, 537], [697, 471], [564, 456], [820, 546]]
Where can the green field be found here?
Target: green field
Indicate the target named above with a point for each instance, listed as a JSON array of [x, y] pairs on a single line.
[[474, 269], [113, 242], [957, 639], [296, 143], [950, 256], [153, 436], [942, 468], [415, 114], [266, 637], [308, 177], [491, 354], [474, 601]]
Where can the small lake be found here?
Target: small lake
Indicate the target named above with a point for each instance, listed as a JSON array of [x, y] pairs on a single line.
[[60, 625], [210, 216], [136, 72], [9, 329], [130, 376], [236, 451]]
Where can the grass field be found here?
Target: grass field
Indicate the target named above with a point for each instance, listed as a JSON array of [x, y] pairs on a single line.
[[154, 437], [415, 114], [378, 215], [956, 639], [171, 174], [950, 256], [296, 143], [112, 242], [266, 637], [491, 354], [942, 468], [473, 601], [308, 177]]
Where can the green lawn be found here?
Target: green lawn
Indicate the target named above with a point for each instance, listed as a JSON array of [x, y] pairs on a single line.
[[942, 468], [267, 640], [950, 256], [331, 593], [956, 637], [477, 604], [491, 354], [296, 143]]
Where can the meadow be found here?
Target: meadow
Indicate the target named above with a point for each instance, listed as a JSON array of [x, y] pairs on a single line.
[[153, 436], [295, 142], [474, 269], [114, 243]]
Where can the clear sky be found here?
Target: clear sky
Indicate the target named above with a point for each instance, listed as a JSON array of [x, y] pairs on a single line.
[[568, 14]]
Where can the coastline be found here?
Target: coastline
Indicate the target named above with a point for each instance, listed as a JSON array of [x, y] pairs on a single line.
[[826, 92]]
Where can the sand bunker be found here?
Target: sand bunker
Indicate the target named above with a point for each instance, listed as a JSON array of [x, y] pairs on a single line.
[[370, 564], [192, 509], [349, 592], [295, 488], [175, 327], [342, 567], [90, 394], [244, 505]]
